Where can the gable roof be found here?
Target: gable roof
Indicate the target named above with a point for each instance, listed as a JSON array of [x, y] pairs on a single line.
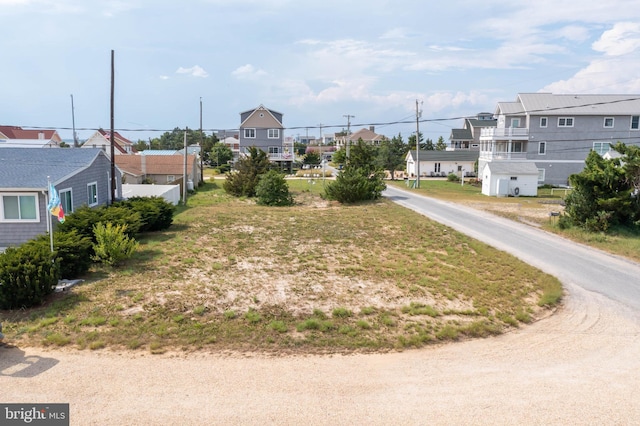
[[571, 104], [366, 135], [252, 113], [512, 168], [461, 134], [155, 164], [28, 168], [15, 132]]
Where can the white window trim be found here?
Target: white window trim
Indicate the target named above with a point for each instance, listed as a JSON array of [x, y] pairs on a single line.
[[541, 175], [546, 122], [171, 178], [566, 118], [631, 123], [63, 191], [541, 150], [602, 144], [277, 133], [89, 185], [19, 194], [250, 137], [515, 123], [604, 122]]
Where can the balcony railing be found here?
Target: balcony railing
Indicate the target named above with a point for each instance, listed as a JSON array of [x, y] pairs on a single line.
[[488, 155], [281, 156], [493, 133]]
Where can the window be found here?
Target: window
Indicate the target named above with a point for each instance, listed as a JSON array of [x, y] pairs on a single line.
[[543, 121], [608, 122], [541, 173], [250, 133], [66, 199], [517, 147], [19, 207], [565, 121], [92, 194], [601, 147], [273, 133], [171, 178], [635, 122], [274, 150], [515, 122], [437, 168], [542, 148]]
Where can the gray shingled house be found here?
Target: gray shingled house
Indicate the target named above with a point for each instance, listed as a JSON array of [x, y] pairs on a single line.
[[80, 176]]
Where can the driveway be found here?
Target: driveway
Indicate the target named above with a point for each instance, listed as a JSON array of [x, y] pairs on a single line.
[[579, 366]]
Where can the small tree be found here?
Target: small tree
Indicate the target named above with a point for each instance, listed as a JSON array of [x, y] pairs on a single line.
[[112, 244], [243, 180], [391, 155], [272, 190], [441, 145], [312, 157]]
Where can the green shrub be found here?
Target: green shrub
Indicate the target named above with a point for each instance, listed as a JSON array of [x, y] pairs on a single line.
[[272, 190], [85, 218], [28, 274], [112, 244], [452, 177], [72, 251], [156, 214], [353, 185]]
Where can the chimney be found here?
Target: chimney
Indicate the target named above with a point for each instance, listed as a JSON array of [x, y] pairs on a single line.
[[40, 135], [372, 128]]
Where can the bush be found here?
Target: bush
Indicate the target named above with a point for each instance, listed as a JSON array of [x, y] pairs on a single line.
[[112, 244], [72, 252], [156, 214], [452, 177], [244, 180], [353, 185], [85, 218], [272, 190], [28, 274]]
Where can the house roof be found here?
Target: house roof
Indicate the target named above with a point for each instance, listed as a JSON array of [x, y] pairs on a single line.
[[15, 132], [118, 136], [461, 134], [566, 104], [261, 108], [28, 168], [474, 122], [366, 135], [436, 155], [154, 164], [512, 168]]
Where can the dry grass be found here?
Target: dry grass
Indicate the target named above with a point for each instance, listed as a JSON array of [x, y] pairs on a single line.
[[316, 277]]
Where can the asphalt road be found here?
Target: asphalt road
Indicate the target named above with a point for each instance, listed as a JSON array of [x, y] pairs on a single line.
[[574, 264]]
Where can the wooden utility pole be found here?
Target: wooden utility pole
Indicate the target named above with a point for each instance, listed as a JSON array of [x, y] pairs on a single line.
[[112, 137], [348, 140]]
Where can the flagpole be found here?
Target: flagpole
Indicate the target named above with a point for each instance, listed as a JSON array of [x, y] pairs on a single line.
[[49, 221]]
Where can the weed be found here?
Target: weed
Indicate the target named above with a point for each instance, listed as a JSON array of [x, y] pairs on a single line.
[[341, 313]]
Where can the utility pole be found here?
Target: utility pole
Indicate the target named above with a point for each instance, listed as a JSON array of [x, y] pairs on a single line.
[[111, 136], [418, 113], [73, 123], [321, 140], [348, 139], [201, 151]]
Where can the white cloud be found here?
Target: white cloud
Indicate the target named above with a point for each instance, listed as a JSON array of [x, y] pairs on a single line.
[[248, 72], [195, 71], [622, 39], [164, 77], [615, 71]]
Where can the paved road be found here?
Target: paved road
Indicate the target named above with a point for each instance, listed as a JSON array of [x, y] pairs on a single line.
[[574, 264]]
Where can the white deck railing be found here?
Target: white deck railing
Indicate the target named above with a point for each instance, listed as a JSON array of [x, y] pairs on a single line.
[[504, 133]]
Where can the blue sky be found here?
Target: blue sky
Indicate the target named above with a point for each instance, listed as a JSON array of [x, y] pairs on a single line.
[[313, 61]]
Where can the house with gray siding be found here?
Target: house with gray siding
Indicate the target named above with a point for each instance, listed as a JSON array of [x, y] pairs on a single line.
[[468, 138], [262, 127], [80, 176], [557, 132]]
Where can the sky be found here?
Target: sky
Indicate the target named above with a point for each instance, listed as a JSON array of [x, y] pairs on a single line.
[[316, 62]]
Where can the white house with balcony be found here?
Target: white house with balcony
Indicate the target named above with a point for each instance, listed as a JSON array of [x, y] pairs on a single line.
[[553, 134]]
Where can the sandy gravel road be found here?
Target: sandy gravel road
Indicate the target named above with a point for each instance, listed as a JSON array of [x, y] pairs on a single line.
[[579, 366]]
